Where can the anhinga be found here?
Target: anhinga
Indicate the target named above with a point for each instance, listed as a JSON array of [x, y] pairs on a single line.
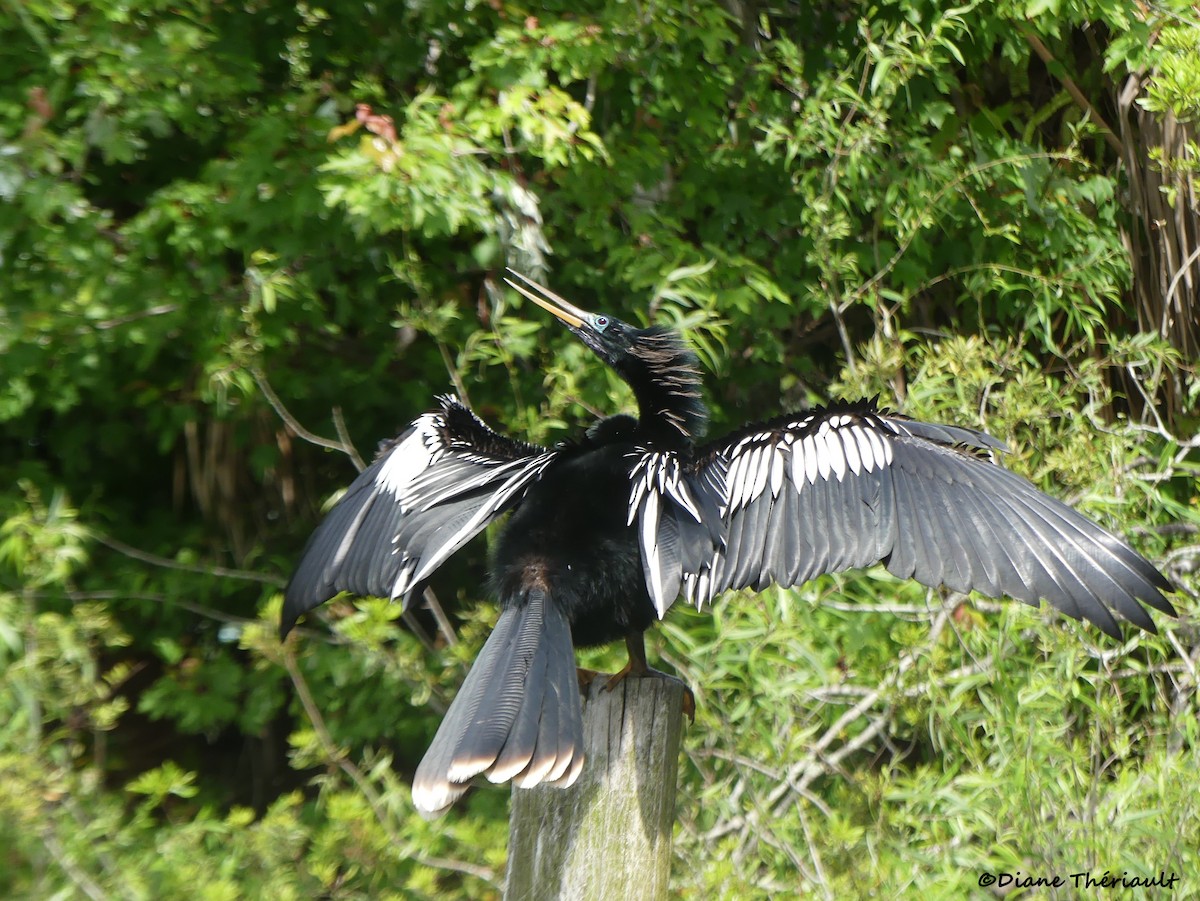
[[608, 530]]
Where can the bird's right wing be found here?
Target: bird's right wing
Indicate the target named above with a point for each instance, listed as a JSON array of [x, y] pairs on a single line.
[[426, 495], [849, 486]]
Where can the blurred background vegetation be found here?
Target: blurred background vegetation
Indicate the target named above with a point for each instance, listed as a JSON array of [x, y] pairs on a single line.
[[240, 239]]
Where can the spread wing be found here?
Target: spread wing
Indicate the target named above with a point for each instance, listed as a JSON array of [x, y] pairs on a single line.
[[849, 486], [427, 494]]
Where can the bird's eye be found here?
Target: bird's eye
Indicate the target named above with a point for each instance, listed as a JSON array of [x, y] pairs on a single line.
[[601, 322]]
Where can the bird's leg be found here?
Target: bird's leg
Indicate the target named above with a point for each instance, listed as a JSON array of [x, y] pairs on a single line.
[[635, 644], [637, 666], [586, 677]]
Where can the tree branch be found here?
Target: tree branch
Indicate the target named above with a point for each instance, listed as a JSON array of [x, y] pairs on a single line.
[[344, 446], [362, 783], [1073, 89], [166, 563]]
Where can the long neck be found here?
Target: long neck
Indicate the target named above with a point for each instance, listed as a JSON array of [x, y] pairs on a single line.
[[667, 388]]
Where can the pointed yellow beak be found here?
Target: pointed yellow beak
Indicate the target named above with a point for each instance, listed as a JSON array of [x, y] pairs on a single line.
[[548, 300]]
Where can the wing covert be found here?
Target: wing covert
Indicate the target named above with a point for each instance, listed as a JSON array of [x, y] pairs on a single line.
[[428, 492], [679, 520]]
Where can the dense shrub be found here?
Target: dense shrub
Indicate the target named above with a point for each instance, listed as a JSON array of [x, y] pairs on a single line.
[[229, 229]]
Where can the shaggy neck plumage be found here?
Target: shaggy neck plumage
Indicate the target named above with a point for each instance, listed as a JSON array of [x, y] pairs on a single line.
[[665, 377]]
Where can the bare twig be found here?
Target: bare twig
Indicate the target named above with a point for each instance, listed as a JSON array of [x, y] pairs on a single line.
[[77, 597], [1184, 656], [339, 423], [451, 371], [294, 424], [160, 310], [1161, 426], [934, 203], [110, 867], [1164, 327], [589, 98], [1167, 528], [435, 607], [758, 767], [904, 611], [223, 572], [82, 880], [801, 774], [1073, 89], [1176, 557], [814, 855], [418, 630], [362, 783], [847, 346]]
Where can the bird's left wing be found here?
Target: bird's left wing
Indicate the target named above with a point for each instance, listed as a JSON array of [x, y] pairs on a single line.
[[848, 486], [427, 494]]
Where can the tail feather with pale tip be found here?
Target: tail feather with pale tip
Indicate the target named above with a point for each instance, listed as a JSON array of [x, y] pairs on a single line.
[[517, 716]]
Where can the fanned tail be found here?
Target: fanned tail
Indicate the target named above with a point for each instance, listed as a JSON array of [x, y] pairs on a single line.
[[517, 716]]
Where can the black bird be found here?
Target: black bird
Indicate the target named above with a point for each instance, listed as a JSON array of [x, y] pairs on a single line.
[[608, 530]]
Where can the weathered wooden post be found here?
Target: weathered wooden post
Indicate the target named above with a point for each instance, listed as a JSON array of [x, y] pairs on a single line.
[[608, 835]]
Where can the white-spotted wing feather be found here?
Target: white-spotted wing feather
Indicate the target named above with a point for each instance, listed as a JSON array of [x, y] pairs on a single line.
[[426, 495], [850, 486]]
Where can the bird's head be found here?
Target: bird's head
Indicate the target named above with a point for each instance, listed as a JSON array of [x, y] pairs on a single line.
[[655, 362]]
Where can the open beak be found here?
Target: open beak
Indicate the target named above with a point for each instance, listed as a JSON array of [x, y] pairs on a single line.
[[548, 300]]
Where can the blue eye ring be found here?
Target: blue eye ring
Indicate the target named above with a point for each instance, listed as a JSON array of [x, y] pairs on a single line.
[[600, 322]]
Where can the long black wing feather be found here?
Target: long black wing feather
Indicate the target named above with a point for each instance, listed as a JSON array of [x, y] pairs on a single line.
[[849, 485], [427, 494]]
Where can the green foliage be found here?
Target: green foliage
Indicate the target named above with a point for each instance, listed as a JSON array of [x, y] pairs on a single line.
[[217, 216], [1176, 84], [1174, 89], [999, 741]]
